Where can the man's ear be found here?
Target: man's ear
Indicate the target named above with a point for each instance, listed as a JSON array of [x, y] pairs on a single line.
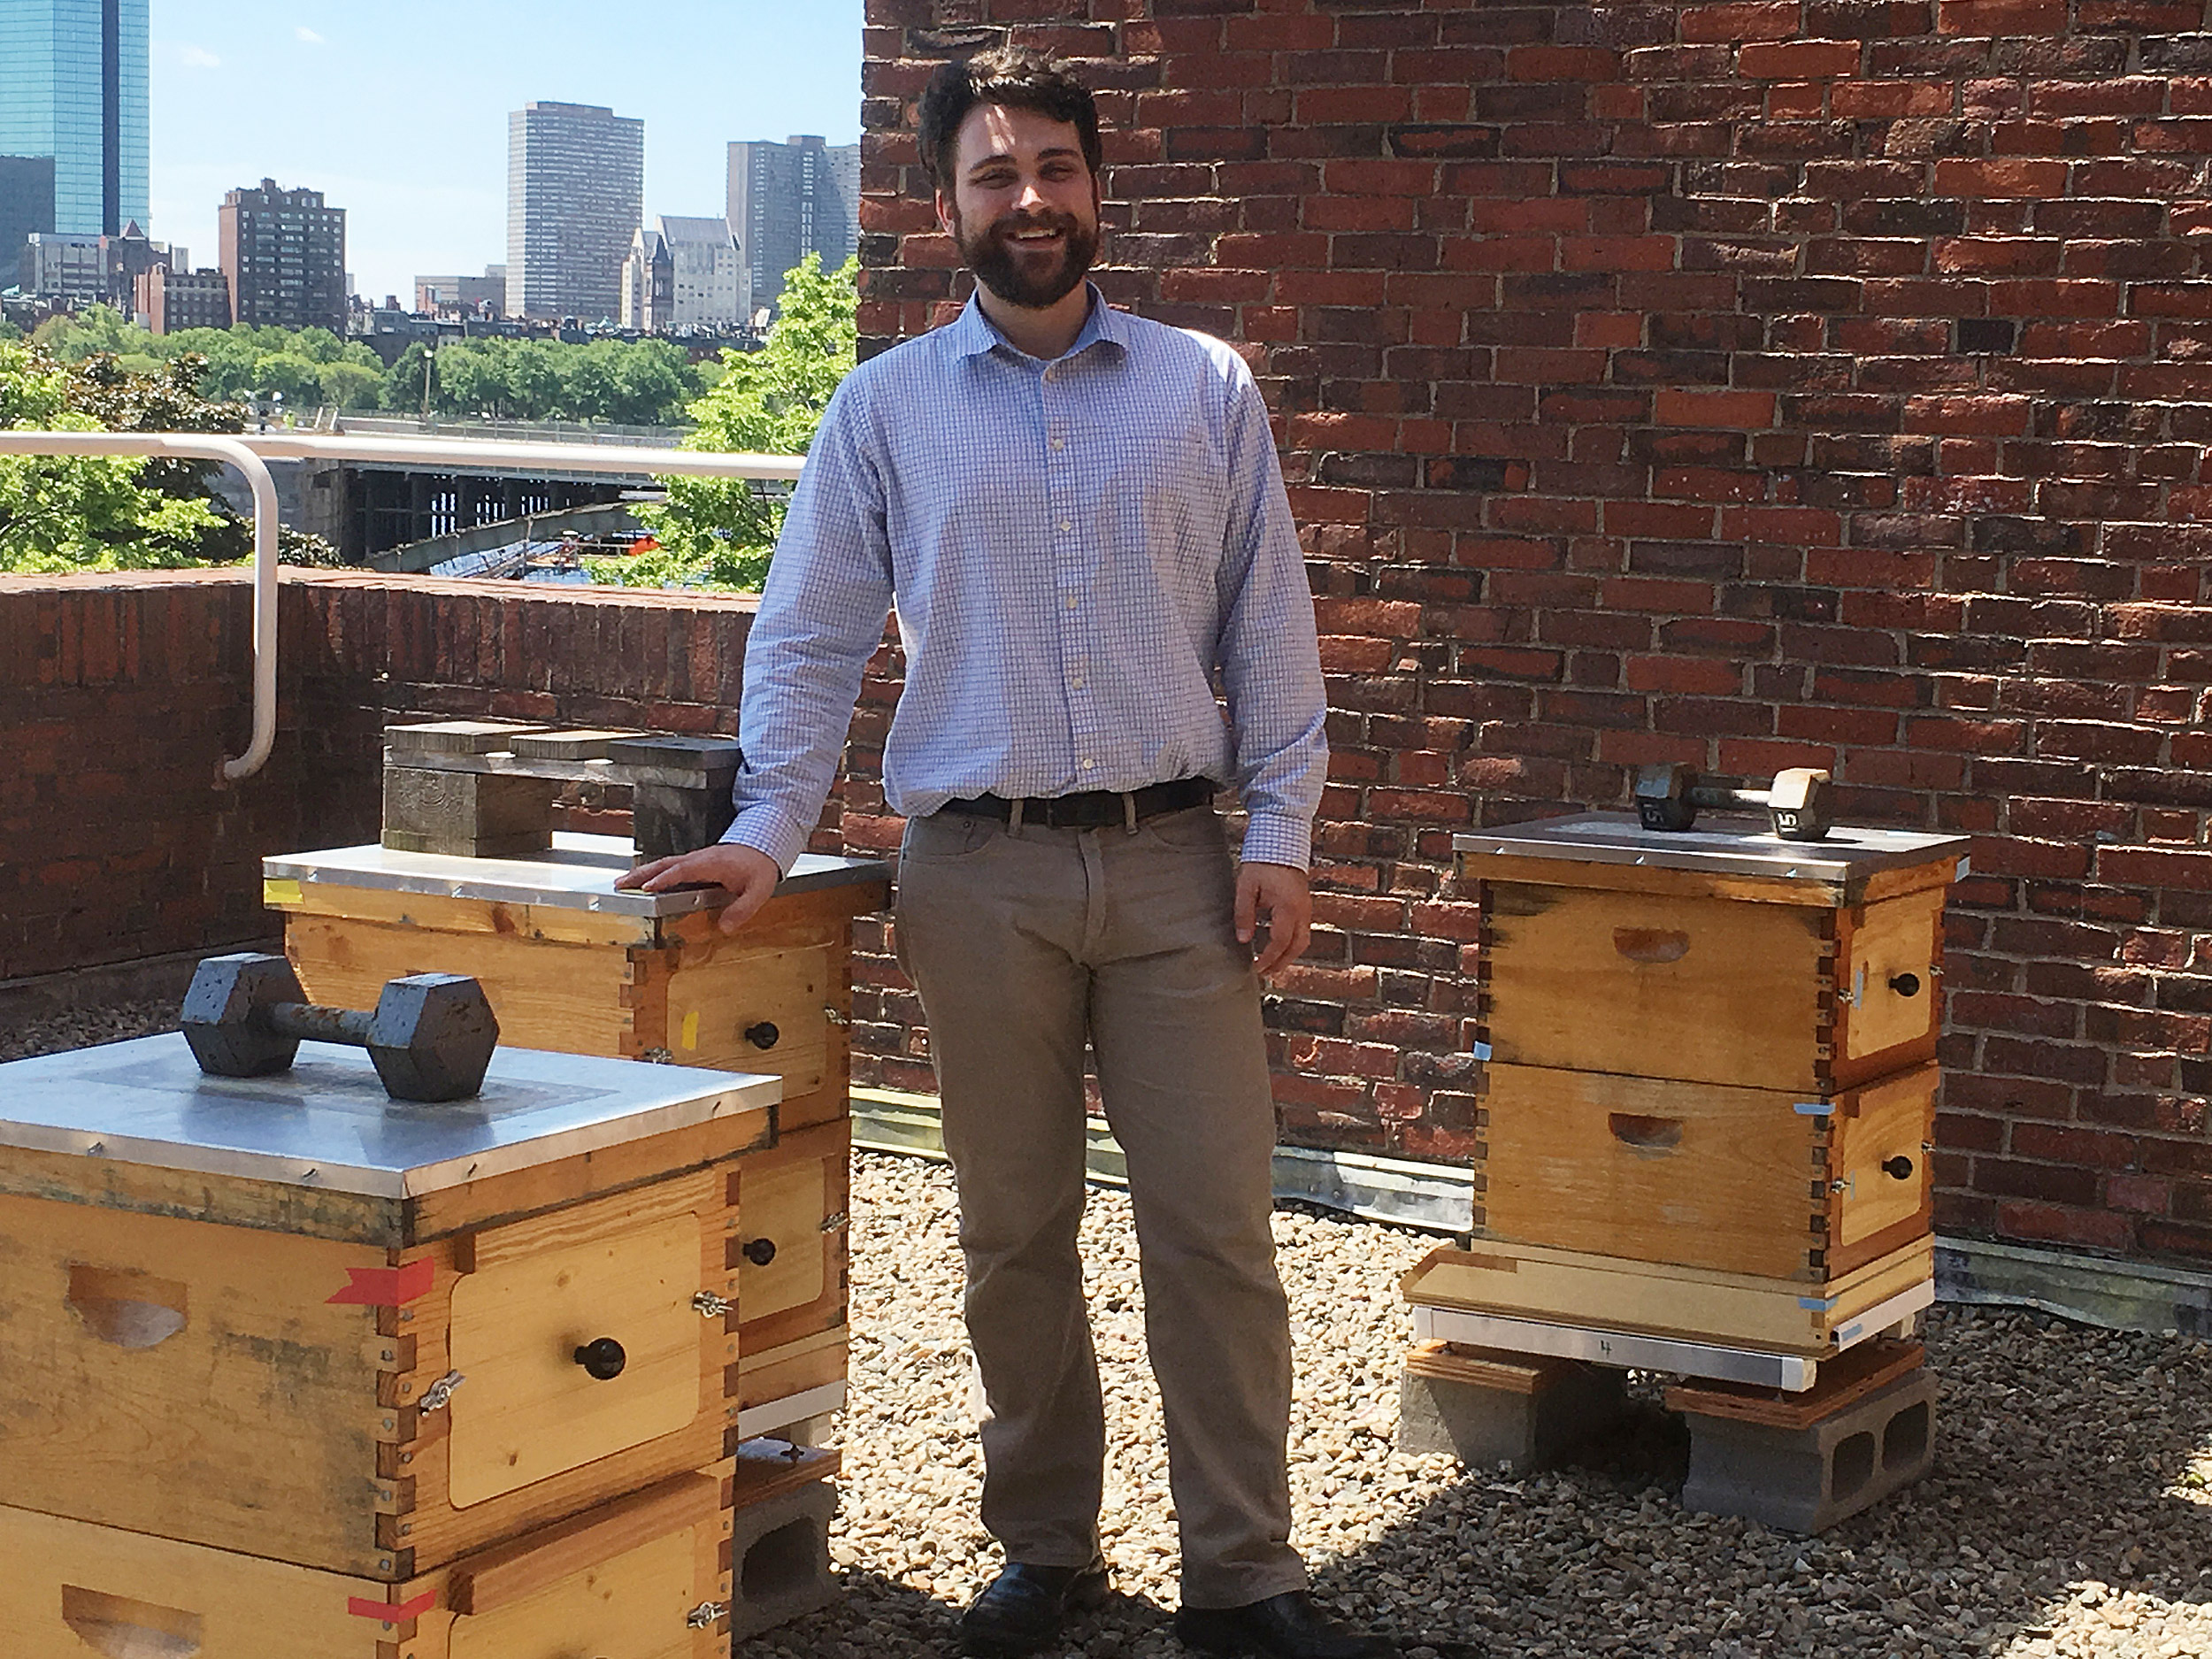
[[944, 212]]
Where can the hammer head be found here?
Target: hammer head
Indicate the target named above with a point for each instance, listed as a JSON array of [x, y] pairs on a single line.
[[1799, 804], [220, 1011], [432, 1037], [1663, 796]]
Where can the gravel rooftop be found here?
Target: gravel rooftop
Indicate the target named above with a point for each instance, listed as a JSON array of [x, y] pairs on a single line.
[[2070, 1511]]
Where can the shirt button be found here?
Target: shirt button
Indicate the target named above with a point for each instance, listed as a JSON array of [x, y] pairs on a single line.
[[1070, 602], [1075, 683], [1067, 524], [1088, 763], [1059, 443]]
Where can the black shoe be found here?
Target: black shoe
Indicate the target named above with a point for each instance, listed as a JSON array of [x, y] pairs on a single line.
[[1285, 1626], [1024, 1607]]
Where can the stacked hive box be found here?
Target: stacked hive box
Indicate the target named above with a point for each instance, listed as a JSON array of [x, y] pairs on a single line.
[[571, 963], [1709, 1100], [297, 1369]]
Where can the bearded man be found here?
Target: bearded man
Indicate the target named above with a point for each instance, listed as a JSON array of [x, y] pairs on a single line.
[[1081, 520]]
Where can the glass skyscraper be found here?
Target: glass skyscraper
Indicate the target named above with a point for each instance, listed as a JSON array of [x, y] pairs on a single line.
[[73, 86]]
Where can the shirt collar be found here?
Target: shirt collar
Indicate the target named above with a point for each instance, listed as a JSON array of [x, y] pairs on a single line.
[[974, 335]]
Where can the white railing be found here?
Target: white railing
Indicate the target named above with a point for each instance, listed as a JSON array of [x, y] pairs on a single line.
[[250, 453]]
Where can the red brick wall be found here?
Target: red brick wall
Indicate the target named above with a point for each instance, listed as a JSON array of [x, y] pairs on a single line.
[[120, 696], [1751, 385]]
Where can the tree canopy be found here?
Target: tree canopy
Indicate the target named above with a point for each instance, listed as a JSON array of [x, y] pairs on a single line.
[[721, 532], [628, 382], [59, 515]]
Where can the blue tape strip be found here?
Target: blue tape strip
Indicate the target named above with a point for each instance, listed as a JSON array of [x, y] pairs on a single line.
[[1814, 1108], [1481, 1051]]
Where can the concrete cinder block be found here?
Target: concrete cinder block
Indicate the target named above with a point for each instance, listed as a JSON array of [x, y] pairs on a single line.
[[1805, 1479], [467, 814], [1487, 1407], [779, 1561]]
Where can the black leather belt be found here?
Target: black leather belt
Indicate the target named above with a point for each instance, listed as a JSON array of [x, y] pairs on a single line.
[[1091, 808]]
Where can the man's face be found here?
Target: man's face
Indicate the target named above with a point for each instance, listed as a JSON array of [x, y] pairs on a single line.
[[1022, 204]]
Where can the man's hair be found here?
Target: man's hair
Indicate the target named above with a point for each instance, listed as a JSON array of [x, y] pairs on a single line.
[[1014, 76]]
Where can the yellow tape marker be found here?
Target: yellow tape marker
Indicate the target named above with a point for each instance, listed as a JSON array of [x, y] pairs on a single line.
[[281, 893], [691, 1029]]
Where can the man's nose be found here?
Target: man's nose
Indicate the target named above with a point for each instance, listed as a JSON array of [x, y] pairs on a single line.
[[1032, 195]]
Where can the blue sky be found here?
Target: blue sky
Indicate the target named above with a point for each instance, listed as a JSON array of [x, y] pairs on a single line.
[[397, 112]]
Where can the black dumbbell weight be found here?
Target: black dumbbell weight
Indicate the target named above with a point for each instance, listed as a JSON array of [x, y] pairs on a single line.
[[430, 1036], [1796, 803]]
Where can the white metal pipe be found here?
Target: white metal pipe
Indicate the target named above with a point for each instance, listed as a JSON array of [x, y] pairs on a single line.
[[249, 452], [504, 454], [201, 447]]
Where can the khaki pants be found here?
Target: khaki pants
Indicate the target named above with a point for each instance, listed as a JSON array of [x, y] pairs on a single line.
[[1023, 945]]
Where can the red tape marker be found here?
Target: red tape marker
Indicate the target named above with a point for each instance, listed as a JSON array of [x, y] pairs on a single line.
[[385, 1286], [392, 1612]]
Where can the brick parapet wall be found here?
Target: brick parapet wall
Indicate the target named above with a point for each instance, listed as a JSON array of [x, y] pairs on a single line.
[[1750, 385], [120, 697]]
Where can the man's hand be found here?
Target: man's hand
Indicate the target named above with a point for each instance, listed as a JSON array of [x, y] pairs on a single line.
[[1278, 895], [749, 874]]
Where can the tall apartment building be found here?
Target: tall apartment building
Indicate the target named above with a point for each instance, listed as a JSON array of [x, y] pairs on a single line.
[[575, 197], [26, 204], [788, 200], [284, 252], [73, 86], [684, 273]]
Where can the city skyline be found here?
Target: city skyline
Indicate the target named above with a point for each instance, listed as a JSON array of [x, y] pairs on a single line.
[[413, 142]]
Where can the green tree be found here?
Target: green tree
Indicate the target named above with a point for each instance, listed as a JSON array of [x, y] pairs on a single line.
[[58, 514], [720, 532]]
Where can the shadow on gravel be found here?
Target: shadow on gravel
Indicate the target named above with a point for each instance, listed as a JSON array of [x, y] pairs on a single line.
[[2068, 1511]]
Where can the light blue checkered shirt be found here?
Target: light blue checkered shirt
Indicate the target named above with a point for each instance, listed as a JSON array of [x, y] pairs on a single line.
[[1075, 549]]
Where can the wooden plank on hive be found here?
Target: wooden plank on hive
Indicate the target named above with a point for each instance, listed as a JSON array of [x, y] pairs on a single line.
[[1655, 1169], [281, 1207], [70, 1588], [546, 997], [506, 1573], [1851, 1376], [122, 1409], [1486, 1368], [627, 1164], [1645, 985], [1569, 1287], [430, 912]]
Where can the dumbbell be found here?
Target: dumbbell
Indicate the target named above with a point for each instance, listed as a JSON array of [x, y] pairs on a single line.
[[1796, 803], [431, 1036]]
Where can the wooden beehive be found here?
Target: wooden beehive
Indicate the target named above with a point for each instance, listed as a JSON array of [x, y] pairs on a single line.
[[1711, 1090], [571, 962], [645, 1576], [290, 1317]]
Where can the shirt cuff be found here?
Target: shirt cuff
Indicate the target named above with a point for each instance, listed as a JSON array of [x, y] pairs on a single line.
[[769, 830], [1272, 839]]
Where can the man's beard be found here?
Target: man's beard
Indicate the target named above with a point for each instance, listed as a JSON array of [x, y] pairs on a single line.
[[991, 255]]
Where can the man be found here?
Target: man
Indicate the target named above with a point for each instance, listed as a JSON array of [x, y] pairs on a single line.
[[1080, 517]]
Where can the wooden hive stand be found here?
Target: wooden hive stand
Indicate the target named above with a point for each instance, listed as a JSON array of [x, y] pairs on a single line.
[[1708, 1103]]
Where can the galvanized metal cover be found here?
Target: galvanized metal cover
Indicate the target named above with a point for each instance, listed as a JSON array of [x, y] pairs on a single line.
[[1737, 849], [577, 873], [327, 1122]]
